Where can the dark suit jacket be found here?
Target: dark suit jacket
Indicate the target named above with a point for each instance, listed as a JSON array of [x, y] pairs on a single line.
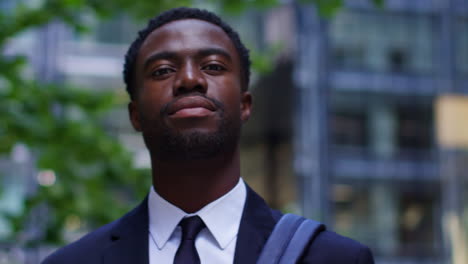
[[125, 241]]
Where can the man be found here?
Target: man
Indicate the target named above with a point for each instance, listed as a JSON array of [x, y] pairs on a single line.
[[187, 74]]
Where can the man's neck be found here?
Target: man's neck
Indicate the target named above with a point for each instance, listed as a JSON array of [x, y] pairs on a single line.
[[190, 185]]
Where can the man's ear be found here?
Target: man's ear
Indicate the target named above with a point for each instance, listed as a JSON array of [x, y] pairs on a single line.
[[246, 106], [134, 115]]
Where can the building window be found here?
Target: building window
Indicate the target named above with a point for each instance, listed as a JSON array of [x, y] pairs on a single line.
[[396, 219], [116, 30], [349, 129], [414, 128], [357, 42], [416, 224]]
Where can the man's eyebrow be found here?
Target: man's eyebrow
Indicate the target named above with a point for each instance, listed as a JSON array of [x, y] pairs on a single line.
[[214, 51], [164, 55]]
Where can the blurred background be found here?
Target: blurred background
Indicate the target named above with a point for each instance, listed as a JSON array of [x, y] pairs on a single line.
[[360, 119]]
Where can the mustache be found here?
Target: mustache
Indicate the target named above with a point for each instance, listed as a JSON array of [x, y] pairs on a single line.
[[164, 110]]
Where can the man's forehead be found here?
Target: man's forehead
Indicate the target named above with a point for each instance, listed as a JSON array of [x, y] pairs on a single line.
[[188, 28], [187, 34]]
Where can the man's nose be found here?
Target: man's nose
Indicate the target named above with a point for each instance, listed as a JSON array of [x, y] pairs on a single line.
[[189, 79]]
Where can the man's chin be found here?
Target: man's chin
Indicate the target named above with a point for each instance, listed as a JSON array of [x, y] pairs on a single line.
[[193, 125], [190, 145], [196, 142], [197, 134]]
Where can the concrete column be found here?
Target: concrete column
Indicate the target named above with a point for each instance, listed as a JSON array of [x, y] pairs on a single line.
[[384, 206], [311, 160], [382, 130]]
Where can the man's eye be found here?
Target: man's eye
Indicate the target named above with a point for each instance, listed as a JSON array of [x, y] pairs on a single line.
[[214, 67], [161, 72]]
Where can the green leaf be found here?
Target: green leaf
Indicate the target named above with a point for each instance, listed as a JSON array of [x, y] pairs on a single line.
[[328, 8], [233, 6], [263, 61], [379, 3]]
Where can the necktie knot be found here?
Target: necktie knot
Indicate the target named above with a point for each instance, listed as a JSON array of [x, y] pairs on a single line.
[[191, 226]]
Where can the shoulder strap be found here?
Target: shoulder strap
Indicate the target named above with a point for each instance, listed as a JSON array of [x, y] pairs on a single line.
[[288, 240]]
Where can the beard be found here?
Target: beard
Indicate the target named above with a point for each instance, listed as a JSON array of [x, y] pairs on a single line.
[[167, 144]]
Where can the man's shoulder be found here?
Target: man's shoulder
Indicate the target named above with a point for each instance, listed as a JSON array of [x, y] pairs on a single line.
[[90, 247], [329, 247], [84, 249]]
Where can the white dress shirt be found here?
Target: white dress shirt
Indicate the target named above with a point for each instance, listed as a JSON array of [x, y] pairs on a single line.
[[215, 244]]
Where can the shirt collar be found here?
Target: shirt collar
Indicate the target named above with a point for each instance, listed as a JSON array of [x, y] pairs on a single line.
[[222, 217]]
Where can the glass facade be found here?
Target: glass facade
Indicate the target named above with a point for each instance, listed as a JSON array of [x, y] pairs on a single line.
[[382, 125], [119, 29], [397, 216], [394, 211], [358, 42], [389, 184]]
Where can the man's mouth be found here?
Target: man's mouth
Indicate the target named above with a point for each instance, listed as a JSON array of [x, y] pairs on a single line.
[[191, 107]]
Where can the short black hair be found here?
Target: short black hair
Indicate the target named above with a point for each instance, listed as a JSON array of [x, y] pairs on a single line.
[[179, 14]]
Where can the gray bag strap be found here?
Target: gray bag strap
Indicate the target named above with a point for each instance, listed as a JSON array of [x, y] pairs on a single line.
[[288, 240]]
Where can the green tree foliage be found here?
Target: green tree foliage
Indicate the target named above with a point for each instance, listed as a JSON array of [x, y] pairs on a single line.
[[62, 125]]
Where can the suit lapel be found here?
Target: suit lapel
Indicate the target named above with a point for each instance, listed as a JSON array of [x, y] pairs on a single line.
[[129, 238], [257, 223]]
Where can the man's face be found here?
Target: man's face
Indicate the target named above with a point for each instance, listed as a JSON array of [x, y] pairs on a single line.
[[189, 103]]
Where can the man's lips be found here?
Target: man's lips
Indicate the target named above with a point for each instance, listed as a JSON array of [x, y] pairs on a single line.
[[191, 106]]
